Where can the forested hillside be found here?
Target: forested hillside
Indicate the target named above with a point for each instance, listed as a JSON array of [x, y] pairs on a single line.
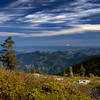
[[91, 66]]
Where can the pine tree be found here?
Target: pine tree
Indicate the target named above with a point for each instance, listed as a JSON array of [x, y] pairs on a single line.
[[64, 73], [71, 72], [91, 75], [39, 71], [82, 70], [34, 70], [7, 54]]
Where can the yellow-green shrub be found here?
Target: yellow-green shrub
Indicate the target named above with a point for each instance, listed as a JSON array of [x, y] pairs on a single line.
[[11, 87], [56, 91]]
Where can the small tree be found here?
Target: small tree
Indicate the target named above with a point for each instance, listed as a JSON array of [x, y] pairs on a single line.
[[34, 70], [82, 70], [91, 75], [64, 73], [39, 71], [71, 72], [7, 54]]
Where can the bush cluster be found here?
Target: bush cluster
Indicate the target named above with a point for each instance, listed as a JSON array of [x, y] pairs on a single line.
[[24, 86]]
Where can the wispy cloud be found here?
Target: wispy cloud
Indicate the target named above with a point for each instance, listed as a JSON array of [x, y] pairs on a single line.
[[78, 11], [75, 15], [4, 17], [78, 29], [90, 27]]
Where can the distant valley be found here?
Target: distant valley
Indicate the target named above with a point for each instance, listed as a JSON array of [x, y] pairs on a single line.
[[52, 62]]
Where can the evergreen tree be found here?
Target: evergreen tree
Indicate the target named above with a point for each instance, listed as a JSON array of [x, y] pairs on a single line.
[[71, 72], [82, 70], [91, 75], [7, 54], [34, 70], [64, 73], [39, 71], [28, 71]]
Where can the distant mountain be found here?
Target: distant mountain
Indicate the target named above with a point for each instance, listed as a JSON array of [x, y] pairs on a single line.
[[91, 65], [54, 62], [42, 48], [50, 48]]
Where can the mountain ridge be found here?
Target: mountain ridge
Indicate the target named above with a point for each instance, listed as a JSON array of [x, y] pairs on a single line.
[[54, 62]]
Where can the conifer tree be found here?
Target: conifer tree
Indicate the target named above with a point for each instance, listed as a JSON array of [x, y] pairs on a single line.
[[7, 54], [34, 70], [82, 70], [71, 72], [64, 73], [39, 71], [91, 75]]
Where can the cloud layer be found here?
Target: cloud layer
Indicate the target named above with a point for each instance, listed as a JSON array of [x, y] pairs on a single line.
[[49, 17], [77, 30]]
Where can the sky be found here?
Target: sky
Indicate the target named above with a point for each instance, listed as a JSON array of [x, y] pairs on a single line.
[[51, 22]]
